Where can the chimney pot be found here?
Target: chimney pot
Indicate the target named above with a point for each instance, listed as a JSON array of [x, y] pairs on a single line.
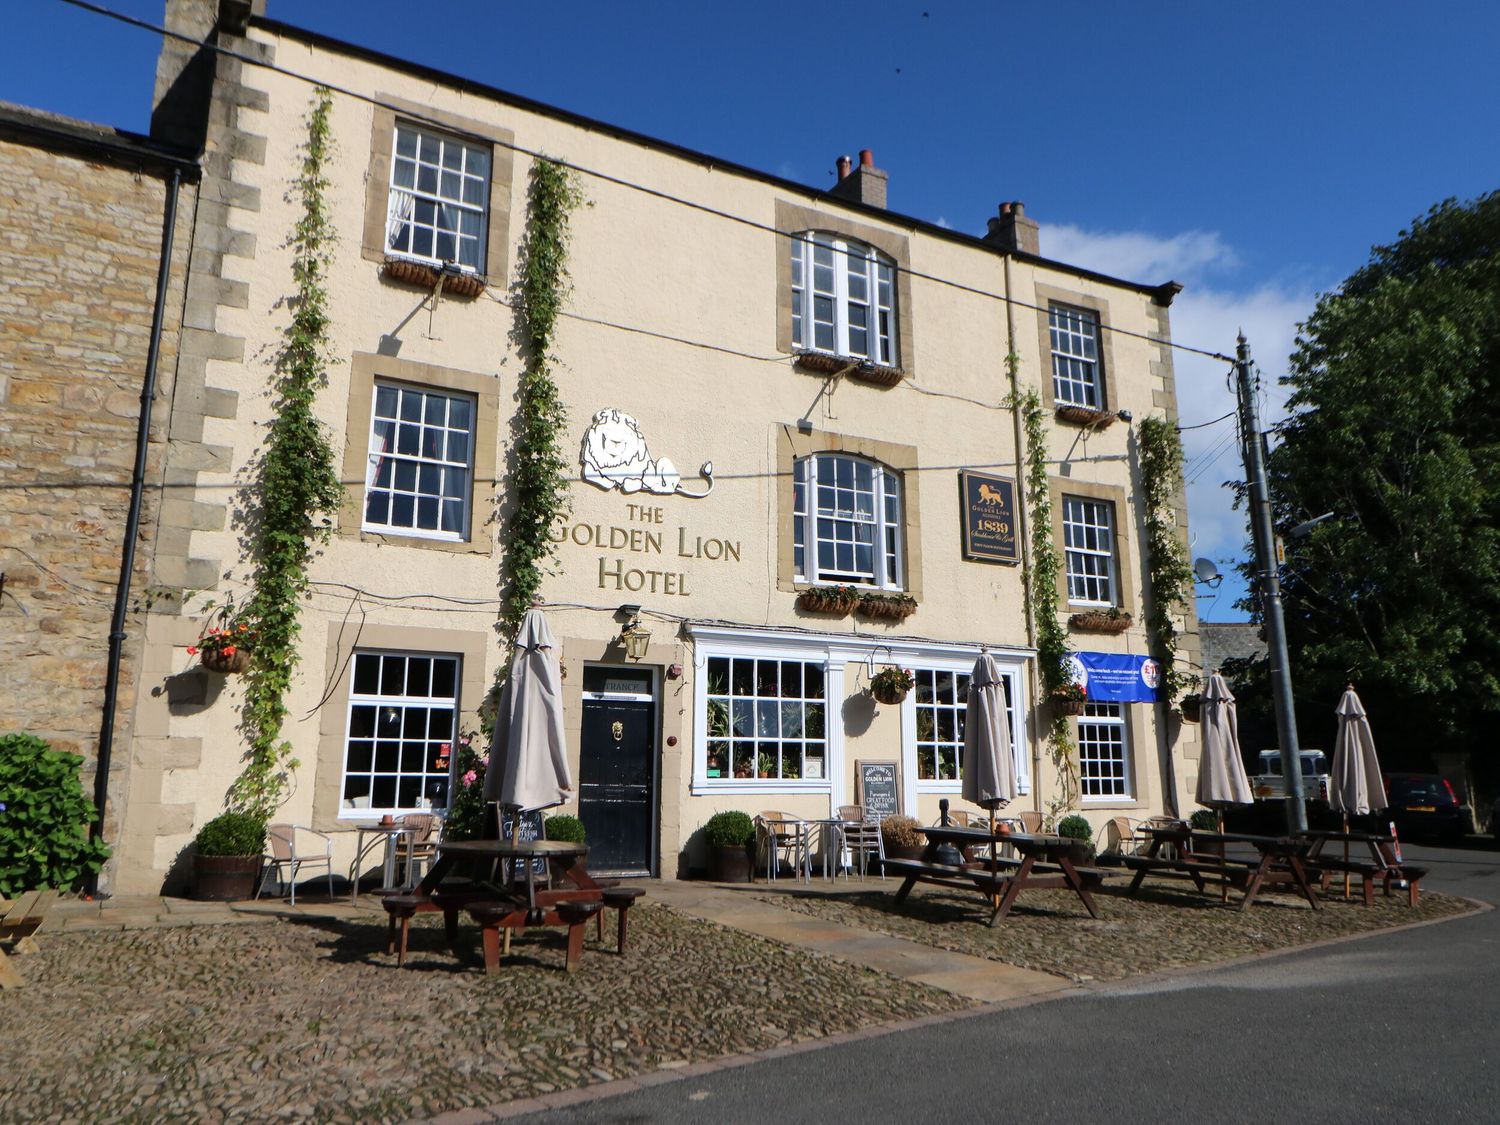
[[864, 184], [1012, 231], [843, 166], [866, 158]]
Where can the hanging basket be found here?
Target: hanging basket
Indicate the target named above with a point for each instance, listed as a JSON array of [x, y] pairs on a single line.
[[1069, 706], [1192, 708], [1085, 416], [424, 276], [1100, 621], [888, 694], [227, 663]]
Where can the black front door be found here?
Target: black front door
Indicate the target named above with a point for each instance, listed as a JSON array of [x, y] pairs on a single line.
[[617, 774]]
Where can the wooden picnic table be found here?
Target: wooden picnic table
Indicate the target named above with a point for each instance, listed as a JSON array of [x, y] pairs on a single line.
[[1382, 865], [1044, 863], [1281, 860]]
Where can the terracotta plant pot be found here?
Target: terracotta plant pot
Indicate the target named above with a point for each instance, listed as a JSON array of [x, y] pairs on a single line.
[[215, 660], [225, 878]]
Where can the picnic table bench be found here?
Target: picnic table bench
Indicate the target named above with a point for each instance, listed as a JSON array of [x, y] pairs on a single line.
[[19, 919], [1044, 863], [1281, 861], [1379, 865]]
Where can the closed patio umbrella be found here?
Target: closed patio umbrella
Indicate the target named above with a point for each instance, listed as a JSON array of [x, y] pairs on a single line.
[[1221, 770], [529, 753], [989, 774], [1355, 785]]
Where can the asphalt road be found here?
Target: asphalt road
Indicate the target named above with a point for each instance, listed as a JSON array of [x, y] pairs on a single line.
[[1400, 1027]]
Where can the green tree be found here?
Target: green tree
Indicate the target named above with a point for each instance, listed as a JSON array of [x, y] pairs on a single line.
[[1395, 428]]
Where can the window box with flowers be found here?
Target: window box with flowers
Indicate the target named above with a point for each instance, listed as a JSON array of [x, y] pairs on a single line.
[[829, 599], [1112, 620], [886, 607], [890, 685], [1069, 699], [225, 648], [1088, 416]]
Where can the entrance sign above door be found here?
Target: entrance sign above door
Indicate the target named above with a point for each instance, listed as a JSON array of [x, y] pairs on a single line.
[[989, 507], [615, 456]]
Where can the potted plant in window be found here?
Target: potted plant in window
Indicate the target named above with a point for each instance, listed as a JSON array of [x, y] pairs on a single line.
[[227, 857], [890, 685], [731, 835], [828, 599], [1069, 698]]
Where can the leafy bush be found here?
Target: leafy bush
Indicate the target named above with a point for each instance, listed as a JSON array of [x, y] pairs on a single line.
[[566, 828], [1204, 820], [232, 833], [466, 804], [730, 829], [901, 832], [44, 818], [1075, 827]]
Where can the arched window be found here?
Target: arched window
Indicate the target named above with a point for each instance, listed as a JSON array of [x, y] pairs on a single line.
[[843, 298], [847, 515]]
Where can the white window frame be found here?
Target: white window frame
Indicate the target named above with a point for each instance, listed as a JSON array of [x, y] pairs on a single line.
[[400, 703], [1076, 548], [1012, 666], [888, 545], [404, 202], [1104, 716], [379, 454], [1075, 356], [855, 265]]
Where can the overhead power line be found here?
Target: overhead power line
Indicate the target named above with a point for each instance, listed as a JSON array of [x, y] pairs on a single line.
[[606, 177]]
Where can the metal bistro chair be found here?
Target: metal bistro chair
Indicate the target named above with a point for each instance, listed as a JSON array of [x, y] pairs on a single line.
[[862, 838], [779, 833], [420, 844], [287, 852]]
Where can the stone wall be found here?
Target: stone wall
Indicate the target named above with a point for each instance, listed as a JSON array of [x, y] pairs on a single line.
[[80, 242]]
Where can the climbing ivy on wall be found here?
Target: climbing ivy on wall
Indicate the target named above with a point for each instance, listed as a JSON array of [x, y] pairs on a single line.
[[297, 488], [1169, 577], [538, 472], [1051, 636]]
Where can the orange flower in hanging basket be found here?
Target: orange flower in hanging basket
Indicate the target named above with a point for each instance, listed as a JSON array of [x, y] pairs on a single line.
[[225, 648]]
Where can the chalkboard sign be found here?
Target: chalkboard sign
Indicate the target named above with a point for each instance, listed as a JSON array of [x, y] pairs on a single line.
[[989, 507], [879, 789], [531, 829]]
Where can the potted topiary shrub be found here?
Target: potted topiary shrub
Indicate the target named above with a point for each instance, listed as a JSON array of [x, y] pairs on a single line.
[[563, 827], [1081, 832], [731, 835], [228, 857], [902, 837]]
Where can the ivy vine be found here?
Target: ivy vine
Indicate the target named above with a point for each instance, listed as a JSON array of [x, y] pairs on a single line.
[[1041, 581], [539, 463], [297, 487], [1169, 577]]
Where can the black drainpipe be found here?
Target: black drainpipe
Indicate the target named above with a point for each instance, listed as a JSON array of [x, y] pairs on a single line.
[[133, 521]]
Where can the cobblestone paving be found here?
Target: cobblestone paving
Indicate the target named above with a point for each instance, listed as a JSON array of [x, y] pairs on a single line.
[[1164, 927], [310, 1020]]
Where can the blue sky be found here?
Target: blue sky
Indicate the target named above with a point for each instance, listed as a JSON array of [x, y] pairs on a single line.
[[1253, 152]]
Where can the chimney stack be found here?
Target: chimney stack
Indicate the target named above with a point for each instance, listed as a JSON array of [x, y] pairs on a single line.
[[1013, 231], [865, 184]]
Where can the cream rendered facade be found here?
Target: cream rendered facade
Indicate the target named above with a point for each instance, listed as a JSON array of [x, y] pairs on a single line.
[[677, 317]]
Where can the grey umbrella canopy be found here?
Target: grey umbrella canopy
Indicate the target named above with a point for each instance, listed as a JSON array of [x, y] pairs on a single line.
[[989, 774], [1356, 786], [1221, 771], [529, 753]]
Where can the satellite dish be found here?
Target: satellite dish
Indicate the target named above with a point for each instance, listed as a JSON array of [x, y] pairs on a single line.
[[1207, 572]]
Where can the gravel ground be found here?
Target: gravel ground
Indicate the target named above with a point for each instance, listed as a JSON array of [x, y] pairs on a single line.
[[1164, 927], [309, 1020]]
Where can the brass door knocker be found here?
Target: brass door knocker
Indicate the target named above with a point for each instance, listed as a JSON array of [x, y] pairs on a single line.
[[618, 730]]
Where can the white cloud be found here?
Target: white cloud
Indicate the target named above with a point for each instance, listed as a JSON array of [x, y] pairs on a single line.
[[1208, 315]]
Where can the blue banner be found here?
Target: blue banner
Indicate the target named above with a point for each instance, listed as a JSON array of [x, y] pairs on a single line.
[[1116, 677]]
